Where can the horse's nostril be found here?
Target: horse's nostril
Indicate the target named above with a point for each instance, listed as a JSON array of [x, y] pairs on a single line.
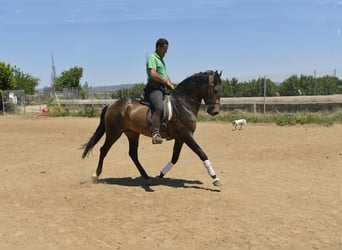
[[214, 113]]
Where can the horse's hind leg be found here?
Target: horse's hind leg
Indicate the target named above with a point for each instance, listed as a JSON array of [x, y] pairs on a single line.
[[110, 139], [133, 139]]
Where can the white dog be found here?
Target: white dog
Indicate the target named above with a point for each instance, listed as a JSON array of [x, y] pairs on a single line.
[[240, 123]]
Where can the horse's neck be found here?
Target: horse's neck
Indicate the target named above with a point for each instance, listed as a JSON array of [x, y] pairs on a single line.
[[187, 102], [192, 91]]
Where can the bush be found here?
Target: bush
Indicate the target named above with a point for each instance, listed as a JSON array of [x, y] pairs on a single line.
[[89, 111], [57, 110]]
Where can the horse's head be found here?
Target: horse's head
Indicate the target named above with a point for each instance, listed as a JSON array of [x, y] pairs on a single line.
[[202, 86], [212, 98]]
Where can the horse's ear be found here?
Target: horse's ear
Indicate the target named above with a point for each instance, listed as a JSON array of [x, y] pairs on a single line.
[[219, 74]]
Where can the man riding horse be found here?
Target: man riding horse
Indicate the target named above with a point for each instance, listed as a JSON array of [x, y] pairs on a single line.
[[157, 81]]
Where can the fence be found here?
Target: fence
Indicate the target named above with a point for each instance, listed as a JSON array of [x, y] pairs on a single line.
[[17, 102], [283, 104], [13, 101]]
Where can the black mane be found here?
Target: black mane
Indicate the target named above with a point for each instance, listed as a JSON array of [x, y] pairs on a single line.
[[188, 82]]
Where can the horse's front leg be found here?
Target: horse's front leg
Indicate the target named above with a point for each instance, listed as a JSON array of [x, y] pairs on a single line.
[[177, 147], [190, 141]]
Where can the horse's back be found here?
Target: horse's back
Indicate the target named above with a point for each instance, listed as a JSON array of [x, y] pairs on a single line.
[[124, 106], [128, 113]]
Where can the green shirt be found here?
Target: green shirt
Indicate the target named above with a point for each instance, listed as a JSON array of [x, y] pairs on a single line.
[[155, 62]]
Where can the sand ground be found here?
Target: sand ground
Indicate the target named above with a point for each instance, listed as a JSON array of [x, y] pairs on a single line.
[[281, 189]]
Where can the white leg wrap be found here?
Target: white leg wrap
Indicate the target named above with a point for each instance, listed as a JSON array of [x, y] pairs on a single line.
[[167, 168], [210, 169]]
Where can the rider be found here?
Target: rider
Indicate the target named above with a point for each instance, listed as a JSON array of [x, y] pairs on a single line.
[[157, 80]]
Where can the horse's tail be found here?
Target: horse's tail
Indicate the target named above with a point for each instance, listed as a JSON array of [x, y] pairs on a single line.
[[97, 135]]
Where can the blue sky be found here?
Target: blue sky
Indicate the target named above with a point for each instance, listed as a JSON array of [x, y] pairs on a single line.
[[110, 39]]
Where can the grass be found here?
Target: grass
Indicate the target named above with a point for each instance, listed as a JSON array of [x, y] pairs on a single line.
[[282, 119], [87, 111]]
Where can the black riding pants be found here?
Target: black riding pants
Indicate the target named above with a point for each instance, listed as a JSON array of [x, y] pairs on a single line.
[[156, 100]]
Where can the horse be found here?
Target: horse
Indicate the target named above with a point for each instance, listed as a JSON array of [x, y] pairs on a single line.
[[129, 116]]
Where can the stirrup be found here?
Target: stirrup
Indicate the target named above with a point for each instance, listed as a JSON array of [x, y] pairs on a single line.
[[156, 139]]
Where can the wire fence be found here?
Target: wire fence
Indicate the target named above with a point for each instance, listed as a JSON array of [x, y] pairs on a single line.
[[16, 102]]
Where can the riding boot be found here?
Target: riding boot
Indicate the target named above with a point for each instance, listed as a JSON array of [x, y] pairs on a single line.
[[156, 138]]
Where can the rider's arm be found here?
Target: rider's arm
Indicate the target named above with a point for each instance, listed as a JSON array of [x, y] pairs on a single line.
[[156, 77]]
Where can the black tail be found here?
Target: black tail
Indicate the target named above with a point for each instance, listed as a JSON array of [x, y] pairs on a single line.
[[97, 135]]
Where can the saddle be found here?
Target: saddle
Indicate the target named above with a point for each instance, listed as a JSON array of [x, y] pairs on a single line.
[[167, 110]]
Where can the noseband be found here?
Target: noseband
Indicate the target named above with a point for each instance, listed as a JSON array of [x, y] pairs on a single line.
[[211, 89]]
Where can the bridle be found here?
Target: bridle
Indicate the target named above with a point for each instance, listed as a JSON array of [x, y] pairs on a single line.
[[211, 89]]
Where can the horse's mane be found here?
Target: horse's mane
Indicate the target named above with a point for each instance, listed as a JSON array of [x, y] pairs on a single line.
[[188, 82]]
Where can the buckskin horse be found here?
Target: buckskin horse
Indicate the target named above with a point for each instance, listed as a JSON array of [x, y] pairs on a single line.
[[129, 116]]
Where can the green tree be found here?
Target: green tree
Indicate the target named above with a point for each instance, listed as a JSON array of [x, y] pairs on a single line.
[[271, 87], [134, 92], [290, 86], [328, 85], [85, 91], [24, 81], [235, 86], [307, 85], [227, 89], [7, 80], [69, 79], [137, 90]]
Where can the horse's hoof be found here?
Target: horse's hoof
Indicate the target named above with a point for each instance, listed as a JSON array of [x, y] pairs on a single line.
[[217, 182], [94, 178]]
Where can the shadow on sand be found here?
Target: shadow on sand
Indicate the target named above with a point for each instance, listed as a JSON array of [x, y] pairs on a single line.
[[149, 183]]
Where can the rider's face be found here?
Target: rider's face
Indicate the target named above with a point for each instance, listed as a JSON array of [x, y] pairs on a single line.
[[161, 50]]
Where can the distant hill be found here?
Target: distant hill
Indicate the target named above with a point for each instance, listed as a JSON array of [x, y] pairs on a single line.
[[109, 88], [113, 87]]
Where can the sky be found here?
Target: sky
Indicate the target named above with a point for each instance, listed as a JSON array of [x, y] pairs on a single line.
[[110, 39]]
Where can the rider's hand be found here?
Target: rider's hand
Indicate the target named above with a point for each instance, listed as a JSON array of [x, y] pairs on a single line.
[[170, 85]]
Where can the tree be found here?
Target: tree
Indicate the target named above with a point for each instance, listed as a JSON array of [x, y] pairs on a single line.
[[137, 90], [85, 91], [69, 79], [271, 87], [307, 85], [227, 89], [328, 85], [7, 80], [290, 87], [134, 92], [234, 88], [24, 81]]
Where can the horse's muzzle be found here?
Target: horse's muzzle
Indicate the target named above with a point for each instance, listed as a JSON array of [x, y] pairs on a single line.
[[213, 109]]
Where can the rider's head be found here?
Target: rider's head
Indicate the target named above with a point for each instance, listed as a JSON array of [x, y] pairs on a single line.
[[161, 46]]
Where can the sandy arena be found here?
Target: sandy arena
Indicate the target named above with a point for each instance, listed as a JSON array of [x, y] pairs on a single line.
[[281, 189]]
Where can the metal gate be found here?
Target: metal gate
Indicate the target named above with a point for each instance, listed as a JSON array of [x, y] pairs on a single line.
[[13, 102]]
